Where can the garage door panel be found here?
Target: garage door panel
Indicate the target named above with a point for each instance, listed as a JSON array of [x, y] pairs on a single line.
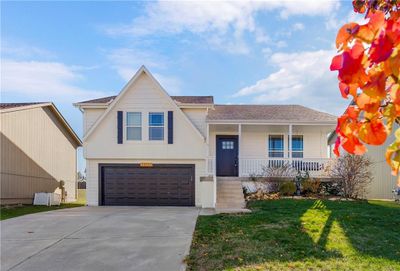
[[159, 185]]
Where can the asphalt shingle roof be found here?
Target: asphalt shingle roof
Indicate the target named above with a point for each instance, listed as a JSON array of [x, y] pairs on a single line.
[[268, 113], [13, 105], [180, 99], [248, 112]]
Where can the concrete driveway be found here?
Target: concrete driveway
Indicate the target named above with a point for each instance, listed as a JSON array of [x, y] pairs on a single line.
[[99, 238]]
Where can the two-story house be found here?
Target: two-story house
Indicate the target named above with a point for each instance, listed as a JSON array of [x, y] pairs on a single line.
[[145, 147]]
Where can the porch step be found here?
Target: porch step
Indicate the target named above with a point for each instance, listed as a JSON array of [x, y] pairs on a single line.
[[230, 194], [231, 179]]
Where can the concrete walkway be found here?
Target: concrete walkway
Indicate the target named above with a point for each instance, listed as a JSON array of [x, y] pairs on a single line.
[[99, 238]]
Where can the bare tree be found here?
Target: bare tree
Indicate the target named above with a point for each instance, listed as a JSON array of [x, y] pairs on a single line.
[[353, 174]]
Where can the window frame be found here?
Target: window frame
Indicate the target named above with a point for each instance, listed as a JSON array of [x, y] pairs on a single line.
[[297, 151], [282, 151], [150, 126], [134, 126]]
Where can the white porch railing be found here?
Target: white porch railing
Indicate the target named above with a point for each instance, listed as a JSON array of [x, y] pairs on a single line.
[[254, 166]]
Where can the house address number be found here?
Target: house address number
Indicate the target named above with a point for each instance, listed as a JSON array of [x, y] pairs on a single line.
[[146, 164]]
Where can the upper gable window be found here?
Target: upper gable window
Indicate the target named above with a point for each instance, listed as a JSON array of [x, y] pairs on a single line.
[[133, 126], [156, 126]]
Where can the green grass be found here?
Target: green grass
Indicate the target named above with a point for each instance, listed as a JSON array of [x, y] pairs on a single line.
[[7, 212], [300, 235]]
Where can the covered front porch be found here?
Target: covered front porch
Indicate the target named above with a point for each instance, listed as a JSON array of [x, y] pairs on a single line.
[[244, 149]]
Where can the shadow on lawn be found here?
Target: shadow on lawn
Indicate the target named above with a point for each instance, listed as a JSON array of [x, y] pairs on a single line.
[[371, 229], [278, 231]]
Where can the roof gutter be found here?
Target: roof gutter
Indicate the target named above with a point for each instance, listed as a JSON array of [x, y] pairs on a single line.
[[271, 122]]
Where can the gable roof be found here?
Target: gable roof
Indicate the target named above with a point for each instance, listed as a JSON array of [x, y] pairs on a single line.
[[268, 113], [15, 105], [178, 99], [116, 99], [12, 107]]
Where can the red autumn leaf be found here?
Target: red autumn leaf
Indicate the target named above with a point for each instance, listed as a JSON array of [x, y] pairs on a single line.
[[365, 33], [381, 48], [352, 145], [376, 87], [366, 103], [393, 28], [345, 89], [345, 34], [337, 146], [376, 21], [368, 65], [373, 132], [353, 112]]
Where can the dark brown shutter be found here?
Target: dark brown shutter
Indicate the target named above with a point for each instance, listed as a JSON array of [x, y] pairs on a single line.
[[170, 127], [120, 115]]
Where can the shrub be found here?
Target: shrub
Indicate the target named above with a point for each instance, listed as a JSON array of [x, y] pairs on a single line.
[[262, 185], [330, 188], [353, 174], [310, 186], [284, 170], [287, 188]]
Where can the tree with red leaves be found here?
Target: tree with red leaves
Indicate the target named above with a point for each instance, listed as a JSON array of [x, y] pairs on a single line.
[[368, 64]]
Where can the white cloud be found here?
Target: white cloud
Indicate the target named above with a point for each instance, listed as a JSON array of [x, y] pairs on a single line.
[[221, 23], [333, 21], [20, 50], [126, 61], [281, 44], [267, 52], [301, 78], [171, 84], [44, 81], [298, 26]]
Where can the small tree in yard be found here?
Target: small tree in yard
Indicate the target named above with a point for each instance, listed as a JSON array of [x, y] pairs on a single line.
[[353, 174], [368, 66]]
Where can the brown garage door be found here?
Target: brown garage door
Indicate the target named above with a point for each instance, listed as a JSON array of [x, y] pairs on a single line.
[[162, 184]]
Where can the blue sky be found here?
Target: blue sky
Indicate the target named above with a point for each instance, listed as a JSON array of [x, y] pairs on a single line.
[[272, 52]]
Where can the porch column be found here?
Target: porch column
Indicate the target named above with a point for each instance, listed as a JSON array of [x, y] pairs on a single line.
[[208, 146], [290, 143], [239, 148]]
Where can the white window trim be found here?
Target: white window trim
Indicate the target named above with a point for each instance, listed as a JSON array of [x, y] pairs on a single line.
[[284, 144], [302, 151], [133, 126], [149, 126]]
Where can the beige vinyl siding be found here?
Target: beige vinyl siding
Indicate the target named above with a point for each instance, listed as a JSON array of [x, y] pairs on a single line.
[[90, 116], [92, 175], [35, 155], [383, 182], [143, 96], [198, 117]]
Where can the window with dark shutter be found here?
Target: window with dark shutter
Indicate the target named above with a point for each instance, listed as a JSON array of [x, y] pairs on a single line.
[[119, 127], [170, 127]]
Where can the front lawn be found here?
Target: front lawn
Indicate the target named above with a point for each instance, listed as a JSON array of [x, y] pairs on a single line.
[[7, 212], [300, 235]]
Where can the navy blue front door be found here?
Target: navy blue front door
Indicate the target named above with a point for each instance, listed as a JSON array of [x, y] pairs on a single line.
[[227, 155]]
